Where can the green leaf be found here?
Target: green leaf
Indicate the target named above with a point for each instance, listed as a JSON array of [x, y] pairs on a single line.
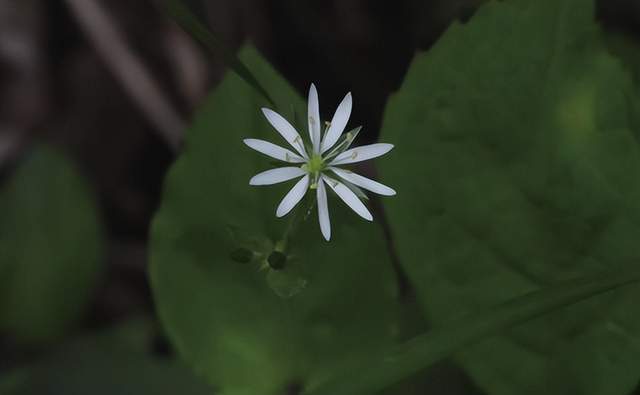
[[517, 166], [391, 366], [247, 327], [12, 381], [50, 248], [103, 365]]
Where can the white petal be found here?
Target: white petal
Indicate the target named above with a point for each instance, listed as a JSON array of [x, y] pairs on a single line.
[[314, 118], [338, 123], [359, 192], [275, 176], [323, 211], [274, 151], [364, 152], [293, 197], [364, 182], [349, 198], [286, 130]]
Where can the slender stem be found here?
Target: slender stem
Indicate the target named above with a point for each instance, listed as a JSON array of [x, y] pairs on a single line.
[[183, 16], [300, 214]]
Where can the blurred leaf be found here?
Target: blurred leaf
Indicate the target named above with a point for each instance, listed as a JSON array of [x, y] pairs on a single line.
[[250, 330], [12, 381], [104, 365], [135, 334], [517, 166], [50, 248], [374, 374]]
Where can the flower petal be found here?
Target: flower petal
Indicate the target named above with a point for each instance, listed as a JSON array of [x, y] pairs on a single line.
[[313, 109], [359, 192], [274, 151], [293, 197], [286, 130], [338, 123], [348, 197], [275, 176], [362, 153], [323, 211], [363, 182]]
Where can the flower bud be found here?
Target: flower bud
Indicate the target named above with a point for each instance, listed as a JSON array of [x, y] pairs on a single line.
[[277, 260]]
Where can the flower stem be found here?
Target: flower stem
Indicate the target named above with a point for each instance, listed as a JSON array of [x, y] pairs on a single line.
[[300, 215]]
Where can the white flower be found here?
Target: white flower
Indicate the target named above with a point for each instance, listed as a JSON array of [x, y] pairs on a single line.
[[318, 160]]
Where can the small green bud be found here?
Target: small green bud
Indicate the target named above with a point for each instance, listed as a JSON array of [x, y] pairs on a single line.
[[277, 260], [242, 255]]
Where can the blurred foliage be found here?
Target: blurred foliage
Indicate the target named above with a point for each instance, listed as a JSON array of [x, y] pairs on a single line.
[[211, 42], [251, 330], [517, 166], [50, 248], [105, 363], [625, 48]]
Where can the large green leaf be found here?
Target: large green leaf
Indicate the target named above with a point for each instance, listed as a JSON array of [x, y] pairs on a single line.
[[516, 167], [50, 248], [248, 330], [392, 365]]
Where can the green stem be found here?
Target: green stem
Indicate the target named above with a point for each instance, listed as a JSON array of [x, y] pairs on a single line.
[[190, 23], [300, 215]]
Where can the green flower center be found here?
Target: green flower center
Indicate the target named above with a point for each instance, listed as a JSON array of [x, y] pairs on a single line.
[[316, 164], [314, 167]]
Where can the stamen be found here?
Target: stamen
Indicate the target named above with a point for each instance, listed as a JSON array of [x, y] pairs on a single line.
[[337, 149], [354, 155]]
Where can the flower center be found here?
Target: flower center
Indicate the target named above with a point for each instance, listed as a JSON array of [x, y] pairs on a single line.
[[314, 167], [316, 164]]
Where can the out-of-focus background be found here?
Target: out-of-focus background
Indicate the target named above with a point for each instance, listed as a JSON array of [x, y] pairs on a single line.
[[111, 86]]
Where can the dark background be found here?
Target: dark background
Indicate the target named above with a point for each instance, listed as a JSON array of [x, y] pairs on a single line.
[[113, 84]]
